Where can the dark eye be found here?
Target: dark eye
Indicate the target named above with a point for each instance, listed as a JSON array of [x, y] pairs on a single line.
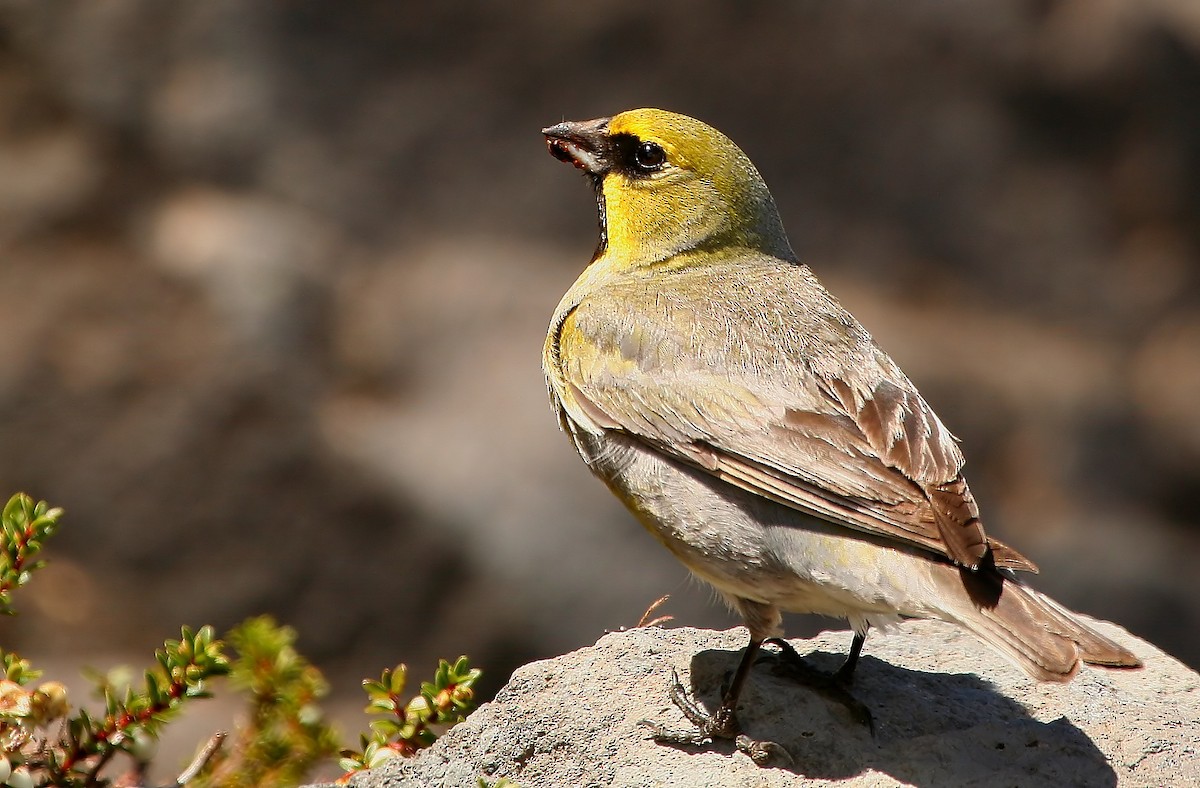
[[649, 156]]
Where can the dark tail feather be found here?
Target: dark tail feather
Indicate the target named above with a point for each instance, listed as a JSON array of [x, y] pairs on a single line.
[[1094, 648], [1040, 635]]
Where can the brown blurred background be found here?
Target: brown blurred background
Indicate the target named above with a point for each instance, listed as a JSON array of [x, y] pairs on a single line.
[[276, 275]]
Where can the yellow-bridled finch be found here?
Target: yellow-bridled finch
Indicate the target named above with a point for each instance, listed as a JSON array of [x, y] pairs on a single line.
[[755, 428]]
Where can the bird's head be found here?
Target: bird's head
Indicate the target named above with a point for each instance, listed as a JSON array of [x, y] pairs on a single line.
[[667, 184]]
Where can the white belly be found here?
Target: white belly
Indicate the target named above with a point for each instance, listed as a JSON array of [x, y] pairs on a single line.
[[752, 548]]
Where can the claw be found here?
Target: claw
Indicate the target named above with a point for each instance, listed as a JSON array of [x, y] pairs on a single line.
[[835, 686], [664, 735], [721, 725], [761, 752]]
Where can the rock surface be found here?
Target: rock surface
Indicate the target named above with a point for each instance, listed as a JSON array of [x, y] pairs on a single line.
[[948, 711]]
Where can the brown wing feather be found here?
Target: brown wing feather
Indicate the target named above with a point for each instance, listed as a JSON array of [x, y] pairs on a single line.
[[855, 445], [958, 522], [856, 513], [909, 437]]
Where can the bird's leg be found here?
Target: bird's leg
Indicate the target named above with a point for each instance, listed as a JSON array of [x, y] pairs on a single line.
[[836, 685], [722, 724], [845, 674]]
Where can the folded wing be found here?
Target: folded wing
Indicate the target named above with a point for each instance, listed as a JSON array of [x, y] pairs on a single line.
[[858, 447]]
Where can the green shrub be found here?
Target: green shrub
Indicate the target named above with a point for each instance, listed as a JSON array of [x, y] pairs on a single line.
[[283, 736]]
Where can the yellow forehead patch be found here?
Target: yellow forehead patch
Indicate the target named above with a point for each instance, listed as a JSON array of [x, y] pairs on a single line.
[[643, 121], [659, 125]]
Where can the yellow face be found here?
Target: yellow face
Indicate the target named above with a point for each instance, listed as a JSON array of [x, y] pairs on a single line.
[[661, 146], [670, 184]]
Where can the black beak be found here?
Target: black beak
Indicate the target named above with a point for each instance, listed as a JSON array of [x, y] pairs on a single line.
[[584, 144]]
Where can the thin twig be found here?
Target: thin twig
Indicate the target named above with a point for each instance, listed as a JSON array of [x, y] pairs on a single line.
[[93, 777], [645, 620], [201, 760]]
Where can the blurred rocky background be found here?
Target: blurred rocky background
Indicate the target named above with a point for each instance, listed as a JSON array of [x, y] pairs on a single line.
[[275, 278]]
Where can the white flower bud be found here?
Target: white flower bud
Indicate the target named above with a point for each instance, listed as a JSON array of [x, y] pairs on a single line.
[[20, 778]]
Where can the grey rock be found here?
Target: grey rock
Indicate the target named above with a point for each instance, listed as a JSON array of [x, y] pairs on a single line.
[[948, 712]]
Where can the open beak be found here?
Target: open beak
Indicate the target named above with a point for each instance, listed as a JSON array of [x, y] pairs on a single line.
[[583, 143]]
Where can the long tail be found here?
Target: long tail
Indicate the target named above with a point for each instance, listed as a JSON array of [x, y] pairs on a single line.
[[1038, 634]]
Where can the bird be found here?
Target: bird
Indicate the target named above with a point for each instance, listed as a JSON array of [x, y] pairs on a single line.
[[757, 430]]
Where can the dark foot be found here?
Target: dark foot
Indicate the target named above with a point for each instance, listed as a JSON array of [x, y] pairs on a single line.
[[721, 725], [835, 685]]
